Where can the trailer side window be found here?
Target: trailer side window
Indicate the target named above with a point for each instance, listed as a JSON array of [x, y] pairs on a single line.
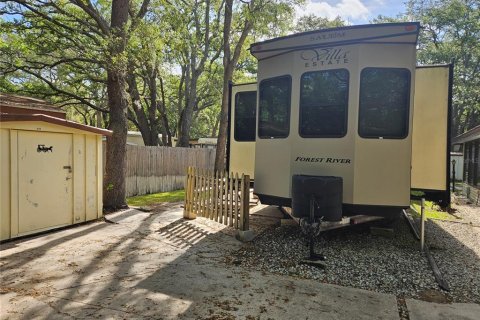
[[245, 115], [274, 108], [384, 103], [324, 104]]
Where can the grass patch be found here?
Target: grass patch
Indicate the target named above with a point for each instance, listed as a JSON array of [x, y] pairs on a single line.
[[432, 211], [417, 193], [149, 199]]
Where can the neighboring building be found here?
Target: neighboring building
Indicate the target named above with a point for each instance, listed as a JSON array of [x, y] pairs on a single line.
[[209, 143], [458, 158], [134, 138], [470, 144]]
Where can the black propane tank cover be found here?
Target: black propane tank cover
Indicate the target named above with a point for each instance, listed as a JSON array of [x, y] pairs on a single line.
[[328, 194]]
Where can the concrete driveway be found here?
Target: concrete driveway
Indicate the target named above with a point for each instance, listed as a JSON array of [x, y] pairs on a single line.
[[158, 266]]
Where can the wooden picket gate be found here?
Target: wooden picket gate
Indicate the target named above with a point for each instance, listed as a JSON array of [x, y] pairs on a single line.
[[219, 196]]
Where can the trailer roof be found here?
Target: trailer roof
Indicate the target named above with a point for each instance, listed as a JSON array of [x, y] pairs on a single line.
[[388, 33]]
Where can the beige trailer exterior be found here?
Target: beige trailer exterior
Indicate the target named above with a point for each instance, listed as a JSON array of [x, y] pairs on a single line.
[[242, 148], [430, 152], [430, 130], [375, 169], [51, 173]]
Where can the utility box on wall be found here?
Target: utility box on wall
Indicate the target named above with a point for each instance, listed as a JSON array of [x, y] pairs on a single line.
[[51, 173]]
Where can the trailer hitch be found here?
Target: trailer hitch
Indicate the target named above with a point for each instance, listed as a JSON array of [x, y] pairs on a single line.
[[311, 228]]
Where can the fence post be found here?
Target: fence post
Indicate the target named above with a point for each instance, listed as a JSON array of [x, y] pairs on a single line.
[[236, 207], [244, 233], [188, 212], [186, 204], [246, 202]]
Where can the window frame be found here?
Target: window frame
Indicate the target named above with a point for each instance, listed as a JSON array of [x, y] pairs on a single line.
[[289, 109], [407, 118], [235, 117], [346, 107]]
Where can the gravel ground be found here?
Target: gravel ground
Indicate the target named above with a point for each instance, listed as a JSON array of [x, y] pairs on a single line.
[[456, 249], [394, 265], [355, 258]]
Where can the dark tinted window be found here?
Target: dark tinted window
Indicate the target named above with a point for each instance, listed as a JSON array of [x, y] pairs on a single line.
[[274, 108], [324, 103], [384, 103], [245, 115]]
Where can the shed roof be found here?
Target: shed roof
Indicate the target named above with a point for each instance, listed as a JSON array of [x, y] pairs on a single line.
[[470, 135], [58, 121], [16, 101]]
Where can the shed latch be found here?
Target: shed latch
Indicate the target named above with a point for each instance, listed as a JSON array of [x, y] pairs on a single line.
[[69, 168]]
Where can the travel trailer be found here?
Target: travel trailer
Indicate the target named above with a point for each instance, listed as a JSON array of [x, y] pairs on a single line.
[[349, 103]]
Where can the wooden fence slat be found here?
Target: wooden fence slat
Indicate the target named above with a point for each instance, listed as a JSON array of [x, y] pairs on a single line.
[[209, 193], [189, 191], [241, 210], [231, 215], [235, 199], [201, 199], [246, 202], [187, 198], [204, 193], [192, 191], [219, 217], [225, 200], [215, 197], [197, 193], [225, 197]]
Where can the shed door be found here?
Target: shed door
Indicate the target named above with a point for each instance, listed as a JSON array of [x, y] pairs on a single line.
[[44, 180]]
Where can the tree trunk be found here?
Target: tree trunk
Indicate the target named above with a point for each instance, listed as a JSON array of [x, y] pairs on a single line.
[[184, 127], [227, 76], [229, 62], [186, 116], [141, 119], [152, 107], [222, 132], [115, 167], [215, 128]]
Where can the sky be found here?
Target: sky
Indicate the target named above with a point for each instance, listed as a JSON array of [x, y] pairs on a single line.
[[352, 11]]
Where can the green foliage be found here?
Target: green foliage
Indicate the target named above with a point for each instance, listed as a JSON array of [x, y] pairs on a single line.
[[451, 33], [169, 46], [58, 58], [312, 22], [154, 198]]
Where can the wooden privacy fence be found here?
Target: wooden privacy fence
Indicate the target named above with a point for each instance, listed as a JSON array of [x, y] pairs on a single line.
[[161, 169], [219, 196]]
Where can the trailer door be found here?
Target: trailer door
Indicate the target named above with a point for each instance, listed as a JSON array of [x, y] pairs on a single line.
[[431, 130], [242, 135]]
